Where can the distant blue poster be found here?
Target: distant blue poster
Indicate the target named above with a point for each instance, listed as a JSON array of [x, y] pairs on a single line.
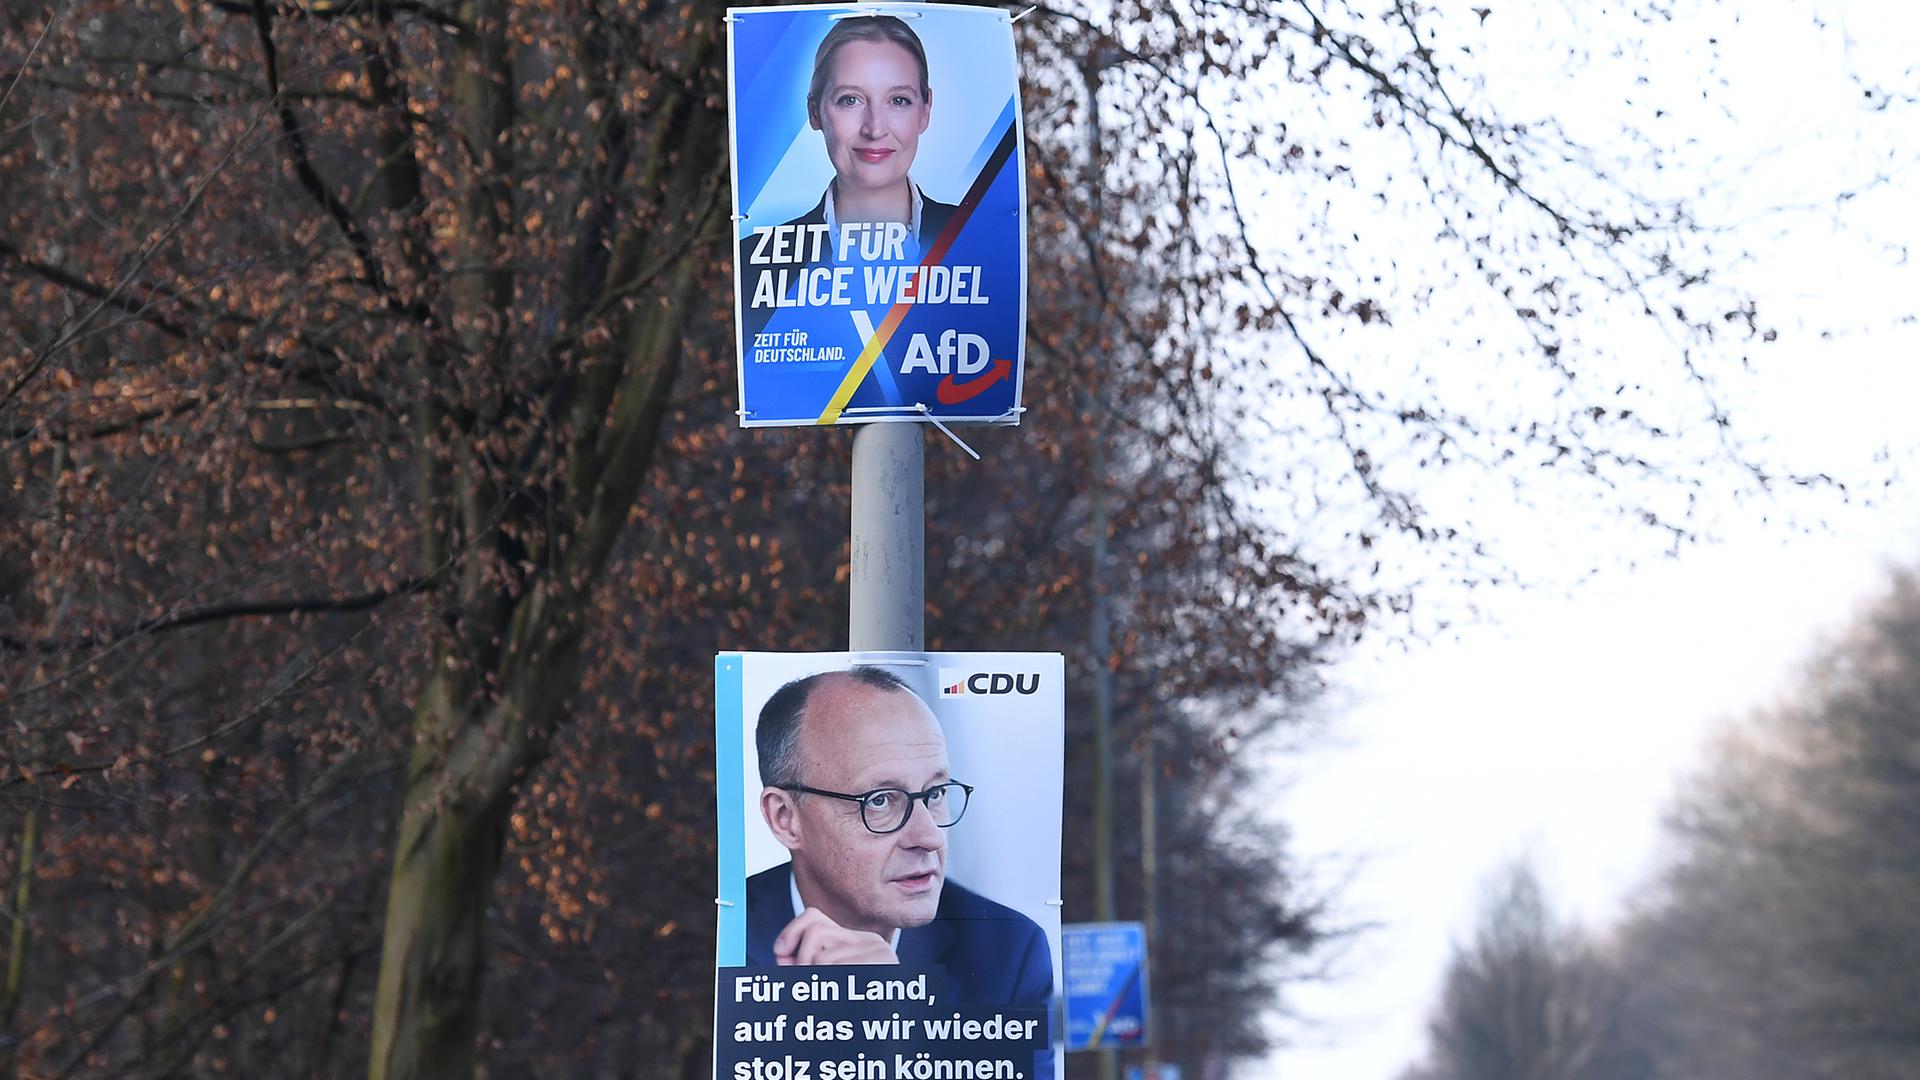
[[1106, 985], [879, 213]]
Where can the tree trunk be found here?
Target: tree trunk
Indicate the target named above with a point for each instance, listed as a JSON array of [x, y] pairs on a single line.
[[523, 546], [469, 745], [460, 790], [433, 955], [13, 980]]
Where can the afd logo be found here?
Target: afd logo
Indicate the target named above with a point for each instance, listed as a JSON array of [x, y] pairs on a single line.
[[957, 682]]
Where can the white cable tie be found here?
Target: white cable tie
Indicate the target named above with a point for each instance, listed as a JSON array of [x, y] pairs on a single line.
[[723, 903], [741, 217], [947, 431], [1031, 8], [1054, 903]]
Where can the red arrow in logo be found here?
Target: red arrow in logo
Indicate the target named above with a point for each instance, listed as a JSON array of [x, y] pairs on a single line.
[[952, 393]]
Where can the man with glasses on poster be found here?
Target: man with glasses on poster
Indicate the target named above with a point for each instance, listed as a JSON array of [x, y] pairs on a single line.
[[857, 788]]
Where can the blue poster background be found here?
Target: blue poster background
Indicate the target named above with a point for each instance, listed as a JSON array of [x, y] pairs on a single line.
[[801, 349]]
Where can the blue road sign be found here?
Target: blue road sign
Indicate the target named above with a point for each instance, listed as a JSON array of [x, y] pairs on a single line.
[[1106, 985]]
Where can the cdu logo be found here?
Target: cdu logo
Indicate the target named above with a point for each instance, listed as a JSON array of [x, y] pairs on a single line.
[[958, 682]]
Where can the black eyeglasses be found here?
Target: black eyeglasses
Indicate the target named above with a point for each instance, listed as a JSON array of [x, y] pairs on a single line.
[[886, 810]]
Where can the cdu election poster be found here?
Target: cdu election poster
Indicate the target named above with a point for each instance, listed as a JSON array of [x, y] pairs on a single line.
[[879, 214], [889, 880]]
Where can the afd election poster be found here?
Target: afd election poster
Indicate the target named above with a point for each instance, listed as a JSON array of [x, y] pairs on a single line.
[[889, 865], [879, 214], [1106, 985]]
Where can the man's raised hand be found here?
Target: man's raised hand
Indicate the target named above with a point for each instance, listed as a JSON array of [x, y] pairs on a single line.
[[814, 938]]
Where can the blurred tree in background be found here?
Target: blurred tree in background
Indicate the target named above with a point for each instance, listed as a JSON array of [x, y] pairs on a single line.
[[1784, 939], [1780, 941], [373, 504], [1529, 998]]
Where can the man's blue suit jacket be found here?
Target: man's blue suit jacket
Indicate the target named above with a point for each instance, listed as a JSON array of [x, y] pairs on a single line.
[[992, 954]]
